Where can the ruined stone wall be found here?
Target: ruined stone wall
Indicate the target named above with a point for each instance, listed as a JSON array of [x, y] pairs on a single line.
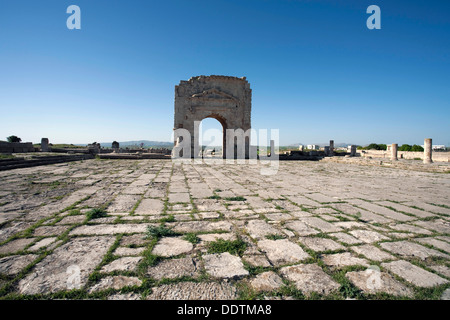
[[410, 155], [16, 147]]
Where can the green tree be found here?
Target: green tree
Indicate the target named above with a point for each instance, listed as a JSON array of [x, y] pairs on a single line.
[[416, 148], [13, 139], [376, 146], [405, 147]]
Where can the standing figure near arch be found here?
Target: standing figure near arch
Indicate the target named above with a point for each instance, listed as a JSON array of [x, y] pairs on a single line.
[[226, 99]]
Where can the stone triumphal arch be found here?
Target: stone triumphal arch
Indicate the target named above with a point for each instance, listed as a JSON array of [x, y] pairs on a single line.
[[226, 99]]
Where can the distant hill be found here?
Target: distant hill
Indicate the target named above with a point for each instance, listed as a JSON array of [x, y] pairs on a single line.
[[137, 143], [336, 144]]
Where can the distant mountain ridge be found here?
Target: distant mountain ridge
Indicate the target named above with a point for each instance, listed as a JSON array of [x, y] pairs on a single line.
[[146, 143], [336, 145], [137, 143]]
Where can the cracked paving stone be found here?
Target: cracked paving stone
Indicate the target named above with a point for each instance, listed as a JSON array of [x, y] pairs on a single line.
[[258, 229], [150, 207], [115, 282], [301, 228], [372, 282], [410, 249], [123, 251], [413, 274], [110, 229], [321, 244], [372, 253], [122, 264], [171, 246], [125, 296], [200, 226], [42, 244], [343, 260], [224, 265], [12, 265], [282, 251], [266, 281], [174, 268], [194, 291], [345, 238], [256, 260], [435, 243], [310, 278], [15, 245], [368, 236]]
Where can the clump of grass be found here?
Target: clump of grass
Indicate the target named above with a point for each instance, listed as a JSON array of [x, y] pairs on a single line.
[[158, 232], [191, 237], [170, 218], [240, 198], [350, 291], [274, 237], [95, 213], [236, 247], [215, 197]]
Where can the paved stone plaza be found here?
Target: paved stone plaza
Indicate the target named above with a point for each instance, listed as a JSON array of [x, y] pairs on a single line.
[[153, 229]]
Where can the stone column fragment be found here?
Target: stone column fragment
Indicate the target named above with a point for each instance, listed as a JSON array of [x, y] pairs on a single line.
[[394, 149], [44, 145], [427, 151]]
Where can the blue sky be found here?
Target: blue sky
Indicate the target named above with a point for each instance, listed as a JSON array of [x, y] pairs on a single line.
[[316, 71]]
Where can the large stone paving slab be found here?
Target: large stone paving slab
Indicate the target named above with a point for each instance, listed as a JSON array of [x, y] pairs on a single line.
[[300, 228], [194, 291], [282, 251], [175, 268], [224, 265], [343, 259], [310, 278], [12, 265], [167, 247], [53, 272], [266, 281], [105, 229], [321, 244], [115, 282], [150, 207], [368, 236], [409, 249], [15, 245], [372, 253], [372, 281], [414, 274], [258, 229]]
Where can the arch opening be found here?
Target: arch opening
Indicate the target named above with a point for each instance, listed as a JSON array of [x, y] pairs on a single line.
[[212, 130]]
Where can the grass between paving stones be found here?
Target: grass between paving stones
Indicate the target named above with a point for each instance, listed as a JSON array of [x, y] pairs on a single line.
[[236, 247], [95, 213], [169, 218], [156, 232], [136, 206], [239, 198], [275, 237], [191, 237]]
